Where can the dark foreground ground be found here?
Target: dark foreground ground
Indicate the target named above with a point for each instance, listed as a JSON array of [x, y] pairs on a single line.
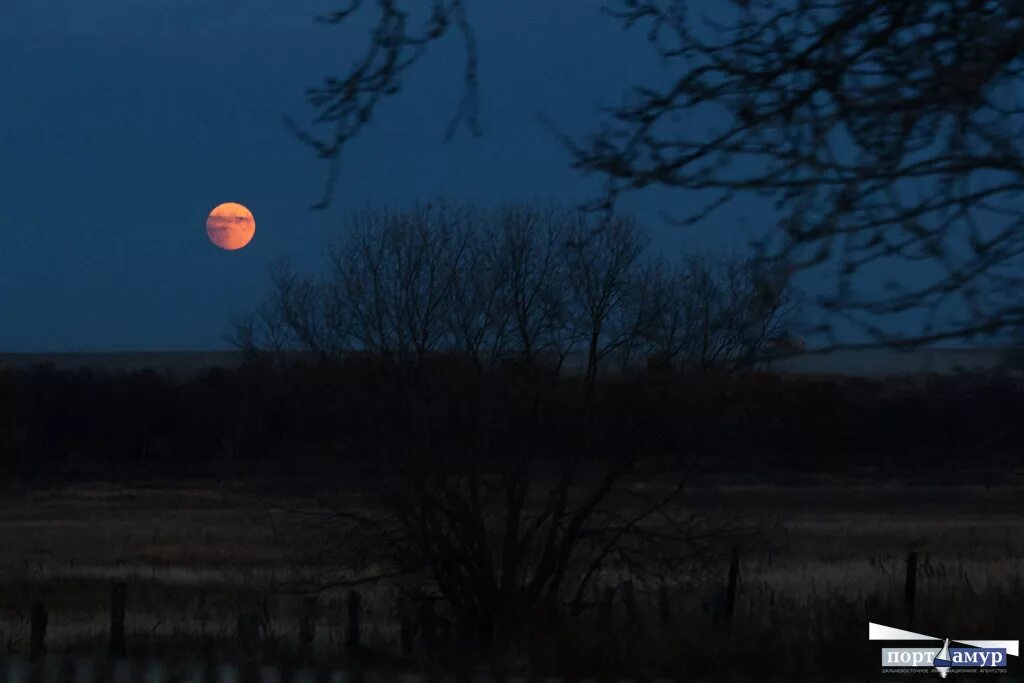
[[817, 560]]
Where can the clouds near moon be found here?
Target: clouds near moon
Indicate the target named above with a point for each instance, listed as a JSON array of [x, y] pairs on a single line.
[[230, 226]]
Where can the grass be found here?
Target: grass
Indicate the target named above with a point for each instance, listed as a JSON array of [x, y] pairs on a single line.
[[827, 557]]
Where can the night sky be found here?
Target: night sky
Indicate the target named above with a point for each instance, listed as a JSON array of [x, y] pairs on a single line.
[[125, 122]]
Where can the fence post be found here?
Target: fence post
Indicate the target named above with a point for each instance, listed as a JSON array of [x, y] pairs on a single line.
[[38, 630], [307, 626], [629, 599], [405, 625], [428, 624], [355, 608], [248, 633], [117, 600], [664, 607], [606, 603], [911, 586], [730, 587]]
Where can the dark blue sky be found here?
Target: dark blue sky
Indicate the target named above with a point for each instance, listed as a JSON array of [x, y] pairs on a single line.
[[125, 121]]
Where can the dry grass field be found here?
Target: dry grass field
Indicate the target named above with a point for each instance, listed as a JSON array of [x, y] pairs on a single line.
[[817, 561]]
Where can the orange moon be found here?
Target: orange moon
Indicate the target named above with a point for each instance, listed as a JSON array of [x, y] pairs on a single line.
[[230, 226]]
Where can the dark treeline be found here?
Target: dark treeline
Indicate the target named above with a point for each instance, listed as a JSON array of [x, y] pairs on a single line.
[[313, 414]]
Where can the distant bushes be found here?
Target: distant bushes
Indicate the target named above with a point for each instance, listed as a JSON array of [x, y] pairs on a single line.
[[308, 415]]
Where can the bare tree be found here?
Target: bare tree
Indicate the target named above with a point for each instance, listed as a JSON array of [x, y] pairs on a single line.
[[301, 303], [717, 312], [603, 276], [300, 313], [398, 272], [466, 497], [506, 536], [530, 248], [479, 319], [888, 134], [261, 333]]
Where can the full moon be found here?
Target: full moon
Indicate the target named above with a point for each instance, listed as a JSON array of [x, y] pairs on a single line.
[[230, 226]]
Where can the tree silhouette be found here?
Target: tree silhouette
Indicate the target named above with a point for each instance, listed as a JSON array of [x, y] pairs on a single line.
[[500, 478]]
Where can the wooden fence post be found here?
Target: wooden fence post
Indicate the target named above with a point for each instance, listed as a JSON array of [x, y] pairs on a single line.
[[629, 599], [38, 630], [117, 600], [355, 608], [428, 624], [249, 633], [307, 626], [405, 621], [730, 586], [911, 586], [664, 606], [606, 603]]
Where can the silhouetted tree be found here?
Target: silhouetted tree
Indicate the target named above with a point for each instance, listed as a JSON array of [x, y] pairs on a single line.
[[607, 300], [497, 478], [717, 312]]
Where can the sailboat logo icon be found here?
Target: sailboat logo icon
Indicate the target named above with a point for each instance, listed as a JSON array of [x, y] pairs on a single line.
[[942, 660]]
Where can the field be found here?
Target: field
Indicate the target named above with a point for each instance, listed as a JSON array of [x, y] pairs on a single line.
[[816, 562]]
